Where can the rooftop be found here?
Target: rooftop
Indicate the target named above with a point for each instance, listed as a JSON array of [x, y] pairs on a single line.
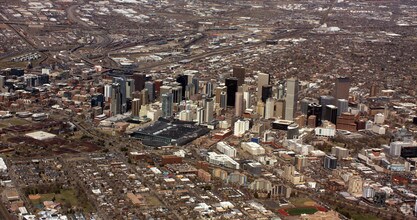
[[41, 135]]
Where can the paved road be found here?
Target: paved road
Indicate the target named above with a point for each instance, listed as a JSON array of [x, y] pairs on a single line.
[[71, 16]]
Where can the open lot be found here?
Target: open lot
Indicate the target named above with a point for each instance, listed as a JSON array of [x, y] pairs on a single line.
[[13, 122], [67, 198], [299, 202]]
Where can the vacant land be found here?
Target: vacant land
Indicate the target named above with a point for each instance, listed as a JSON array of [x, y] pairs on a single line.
[[67, 198], [303, 201], [13, 122]]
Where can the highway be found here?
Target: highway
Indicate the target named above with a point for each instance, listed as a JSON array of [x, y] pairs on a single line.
[[71, 16], [206, 54]]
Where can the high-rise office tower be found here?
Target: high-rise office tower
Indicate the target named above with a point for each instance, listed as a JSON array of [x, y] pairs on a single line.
[[341, 88], [157, 87], [183, 80], [325, 100], [189, 91], [144, 96], [139, 79], [304, 105], [260, 108], [223, 100], [231, 84], [116, 99], [239, 104], [269, 108], [246, 97], [291, 99], [331, 113], [200, 115], [167, 102], [315, 109], [122, 83], [209, 104], [263, 80], [209, 89], [136, 107], [151, 90], [177, 94], [165, 89], [219, 89], [239, 73], [342, 106], [266, 92], [196, 83], [130, 87], [107, 91], [280, 109], [281, 90]]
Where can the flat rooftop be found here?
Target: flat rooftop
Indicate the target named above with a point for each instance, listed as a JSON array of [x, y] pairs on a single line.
[[167, 132], [40, 135]]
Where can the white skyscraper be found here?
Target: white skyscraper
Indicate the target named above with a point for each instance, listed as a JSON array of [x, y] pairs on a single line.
[[239, 104], [185, 115], [200, 116], [130, 87], [240, 128], [263, 80], [107, 91], [246, 97], [291, 99], [269, 108], [209, 102]]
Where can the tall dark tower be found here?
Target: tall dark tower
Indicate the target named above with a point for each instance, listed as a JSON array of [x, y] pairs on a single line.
[[266, 92], [239, 72], [324, 101], [341, 88], [331, 113], [231, 84], [315, 109], [183, 80], [139, 79]]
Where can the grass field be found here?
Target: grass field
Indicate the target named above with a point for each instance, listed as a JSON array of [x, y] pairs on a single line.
[[301, 210]]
